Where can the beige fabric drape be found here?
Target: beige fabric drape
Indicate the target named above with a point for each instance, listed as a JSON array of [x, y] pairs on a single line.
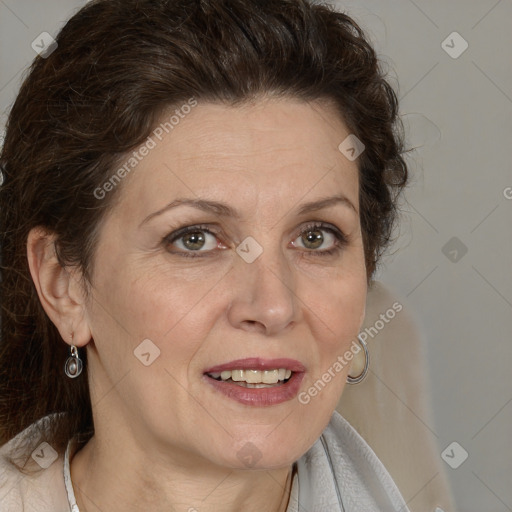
[[391, 407]]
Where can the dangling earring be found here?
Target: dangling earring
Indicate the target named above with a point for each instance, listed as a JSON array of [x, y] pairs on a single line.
[[362, 375], [73, 367]]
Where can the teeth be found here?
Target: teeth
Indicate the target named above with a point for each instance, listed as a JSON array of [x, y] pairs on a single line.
[[270, 376], [254, 376], [247, 385], [237, 375]]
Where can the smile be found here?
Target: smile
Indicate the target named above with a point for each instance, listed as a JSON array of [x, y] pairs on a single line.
[[257, 382], [253, 378]]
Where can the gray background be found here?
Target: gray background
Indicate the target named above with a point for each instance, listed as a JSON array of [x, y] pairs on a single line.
[[458, 113]]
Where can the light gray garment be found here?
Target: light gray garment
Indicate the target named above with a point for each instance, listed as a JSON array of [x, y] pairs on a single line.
[[339, 473]]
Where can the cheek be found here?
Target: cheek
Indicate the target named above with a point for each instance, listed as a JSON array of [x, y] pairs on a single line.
[[337, 313], [174, 312], [153, 298], [338, 301], [141, 303]]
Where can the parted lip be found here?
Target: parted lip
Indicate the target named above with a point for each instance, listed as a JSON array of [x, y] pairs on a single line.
[[257, 363]]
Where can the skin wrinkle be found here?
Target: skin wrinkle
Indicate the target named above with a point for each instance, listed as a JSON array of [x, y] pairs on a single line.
[[210, 310]]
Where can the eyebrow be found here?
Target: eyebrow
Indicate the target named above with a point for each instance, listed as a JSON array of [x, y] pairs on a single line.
[[223, 210]]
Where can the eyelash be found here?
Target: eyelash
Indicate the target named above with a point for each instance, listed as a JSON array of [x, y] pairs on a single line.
[[340, 243]]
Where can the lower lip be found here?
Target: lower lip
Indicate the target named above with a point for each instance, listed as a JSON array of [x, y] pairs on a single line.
[[259, 397]]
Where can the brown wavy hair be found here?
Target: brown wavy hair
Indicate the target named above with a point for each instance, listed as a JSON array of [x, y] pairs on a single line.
[[80, 110]]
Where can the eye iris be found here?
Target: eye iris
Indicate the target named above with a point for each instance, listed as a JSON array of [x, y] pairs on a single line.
[[194, 240], [315, 240]]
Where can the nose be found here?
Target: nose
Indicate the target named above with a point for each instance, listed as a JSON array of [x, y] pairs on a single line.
[[264, 296]]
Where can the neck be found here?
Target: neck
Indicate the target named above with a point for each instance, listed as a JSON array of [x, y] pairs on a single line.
[[125, 480]]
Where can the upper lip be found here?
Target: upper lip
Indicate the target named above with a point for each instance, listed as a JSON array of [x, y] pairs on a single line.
[[257, 363]]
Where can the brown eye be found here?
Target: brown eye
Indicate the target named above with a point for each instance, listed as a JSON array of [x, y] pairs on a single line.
[[313, 239], [194, 241]]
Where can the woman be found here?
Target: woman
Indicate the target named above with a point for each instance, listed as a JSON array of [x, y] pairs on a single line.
[[196, 197]]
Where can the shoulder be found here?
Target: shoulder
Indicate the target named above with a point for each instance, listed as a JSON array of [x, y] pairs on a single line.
[[31, 474], [342, 438], [356, 465], [10, 499]]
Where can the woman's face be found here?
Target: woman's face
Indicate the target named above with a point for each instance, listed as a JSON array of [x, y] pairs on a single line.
[[263, 274]]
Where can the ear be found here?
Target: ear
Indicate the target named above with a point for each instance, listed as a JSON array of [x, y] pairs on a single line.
[[60, 290]]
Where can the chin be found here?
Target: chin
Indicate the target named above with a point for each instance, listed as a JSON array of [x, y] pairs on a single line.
[[251, 457], [262, 452]]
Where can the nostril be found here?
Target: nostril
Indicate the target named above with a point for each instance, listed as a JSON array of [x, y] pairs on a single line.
[[255, 326]]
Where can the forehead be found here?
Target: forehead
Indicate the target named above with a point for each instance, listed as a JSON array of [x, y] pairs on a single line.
[[262, 155]]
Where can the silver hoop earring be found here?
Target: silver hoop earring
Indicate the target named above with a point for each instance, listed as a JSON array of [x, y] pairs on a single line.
[[362, 375], [73, 367]]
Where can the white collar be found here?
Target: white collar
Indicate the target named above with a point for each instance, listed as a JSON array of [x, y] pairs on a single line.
[[67, 478]]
